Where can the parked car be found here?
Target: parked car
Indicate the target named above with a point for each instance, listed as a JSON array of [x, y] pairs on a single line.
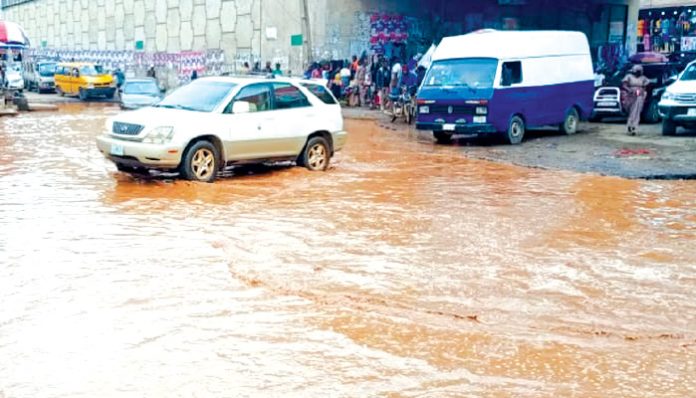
[[216, 122], [138, 93], [492, 82], [607, 99], [38, 75], [678, 104], [84, 79], [13, 76]]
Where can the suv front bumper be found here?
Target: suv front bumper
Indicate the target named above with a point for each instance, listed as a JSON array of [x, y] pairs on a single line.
[[678, 113], [138, 154]]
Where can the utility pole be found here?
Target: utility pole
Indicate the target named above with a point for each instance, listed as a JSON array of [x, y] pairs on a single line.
[[307, 33]]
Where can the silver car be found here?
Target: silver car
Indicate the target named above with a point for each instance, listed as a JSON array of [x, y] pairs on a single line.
[[138, 93]]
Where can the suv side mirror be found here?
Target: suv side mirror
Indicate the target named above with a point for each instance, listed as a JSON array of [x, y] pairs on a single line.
[[241, 107], [672, 79]]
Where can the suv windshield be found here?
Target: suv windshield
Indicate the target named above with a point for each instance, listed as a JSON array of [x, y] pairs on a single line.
[[689, 74], [47, 69], [477, 73], [143, 88], [199, 96], [90, 70]]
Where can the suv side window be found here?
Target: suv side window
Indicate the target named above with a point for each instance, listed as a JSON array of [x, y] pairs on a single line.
[[512, 73], [288, 96], [321, 92], [257, 95]]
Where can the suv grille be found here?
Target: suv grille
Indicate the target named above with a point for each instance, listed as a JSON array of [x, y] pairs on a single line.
[[687, 98], [126, 128]]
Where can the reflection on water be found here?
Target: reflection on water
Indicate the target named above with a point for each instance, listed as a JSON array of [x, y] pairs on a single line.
[[406, 270]]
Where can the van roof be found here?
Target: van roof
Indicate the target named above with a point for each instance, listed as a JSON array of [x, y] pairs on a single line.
[[512, 45]]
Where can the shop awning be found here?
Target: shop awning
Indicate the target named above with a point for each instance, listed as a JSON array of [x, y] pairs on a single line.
[[12, 35], [650, 5]]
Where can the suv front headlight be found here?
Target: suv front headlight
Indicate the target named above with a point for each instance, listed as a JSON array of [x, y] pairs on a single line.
[[159, 135], [668, 96]]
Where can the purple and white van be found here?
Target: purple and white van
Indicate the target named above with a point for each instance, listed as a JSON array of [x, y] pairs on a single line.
[[493, 82]]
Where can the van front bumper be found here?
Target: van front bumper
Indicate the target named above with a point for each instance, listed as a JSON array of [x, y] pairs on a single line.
[[138, 154], [101, 92], [483, 128]]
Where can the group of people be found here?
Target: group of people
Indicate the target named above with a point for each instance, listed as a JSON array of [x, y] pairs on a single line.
[[268, 70], [368, 81]]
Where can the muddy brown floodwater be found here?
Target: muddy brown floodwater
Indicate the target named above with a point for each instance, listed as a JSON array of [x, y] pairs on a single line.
[[407, 270]]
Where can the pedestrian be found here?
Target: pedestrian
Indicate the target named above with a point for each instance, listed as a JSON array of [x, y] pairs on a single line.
[[257, 67], [151, 72], [382, 83], [245, 69], [194, 75], [268, 68], [277, 71], [345, 75], [634, 86], [316, 72], [360, 83]]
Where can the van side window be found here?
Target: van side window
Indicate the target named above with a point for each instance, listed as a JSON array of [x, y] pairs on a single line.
[[512, 73]]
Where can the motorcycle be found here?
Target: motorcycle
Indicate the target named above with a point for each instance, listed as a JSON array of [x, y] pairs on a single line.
[[403, 105]]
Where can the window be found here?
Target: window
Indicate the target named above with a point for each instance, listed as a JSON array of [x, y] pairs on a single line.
[[512, 73], [258, 96], [199, 96], [320, 92], [289, 97], [472, 73]]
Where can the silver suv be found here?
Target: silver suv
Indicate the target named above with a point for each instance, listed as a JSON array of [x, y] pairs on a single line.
[[216, 122]]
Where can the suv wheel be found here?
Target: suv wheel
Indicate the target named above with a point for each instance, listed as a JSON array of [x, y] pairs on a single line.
[[652, 114], [570, 124], [668, 127], [200, 162], [516, 130], [316, 156]]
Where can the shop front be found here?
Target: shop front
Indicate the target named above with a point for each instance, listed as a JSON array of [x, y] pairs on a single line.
[[668, 30]]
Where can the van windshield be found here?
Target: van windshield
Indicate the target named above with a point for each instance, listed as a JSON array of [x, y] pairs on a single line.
[[90, 70], [47, 69], [474, 73]]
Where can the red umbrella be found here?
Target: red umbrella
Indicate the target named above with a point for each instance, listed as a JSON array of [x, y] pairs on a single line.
[[648, 58], [12, 34]]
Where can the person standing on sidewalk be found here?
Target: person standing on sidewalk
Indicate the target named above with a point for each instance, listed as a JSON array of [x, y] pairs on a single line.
[[635, 89]]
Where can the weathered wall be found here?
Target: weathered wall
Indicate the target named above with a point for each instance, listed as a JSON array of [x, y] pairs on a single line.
[[238, 27]]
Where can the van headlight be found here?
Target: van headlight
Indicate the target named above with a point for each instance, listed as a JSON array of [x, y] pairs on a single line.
[[424, 110], [159, 135], [668, 96], [481, 110]]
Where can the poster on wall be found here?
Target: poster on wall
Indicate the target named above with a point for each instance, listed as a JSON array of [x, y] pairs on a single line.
[[616, 32]]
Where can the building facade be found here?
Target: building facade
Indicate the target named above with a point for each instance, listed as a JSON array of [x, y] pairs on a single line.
[[221, 35]]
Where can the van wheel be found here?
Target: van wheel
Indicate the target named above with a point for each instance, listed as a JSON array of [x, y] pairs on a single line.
[[442, 137], [83, 95], [316, 155], [200, 162], [570, 124], [516, 130], [668, 127]]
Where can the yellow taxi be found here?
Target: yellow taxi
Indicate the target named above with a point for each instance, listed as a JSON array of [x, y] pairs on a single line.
[[85, 80]]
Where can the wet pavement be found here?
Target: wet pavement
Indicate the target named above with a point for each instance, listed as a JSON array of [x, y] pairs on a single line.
[[406, 270]]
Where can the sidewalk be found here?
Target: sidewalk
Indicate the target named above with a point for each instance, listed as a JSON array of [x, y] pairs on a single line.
[[601, 148]]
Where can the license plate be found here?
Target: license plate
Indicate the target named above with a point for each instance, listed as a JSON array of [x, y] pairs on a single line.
[[117, 150], [449, 127], [691, 112], [607, 104]]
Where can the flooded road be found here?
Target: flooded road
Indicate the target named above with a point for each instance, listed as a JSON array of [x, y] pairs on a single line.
[[407, 270]]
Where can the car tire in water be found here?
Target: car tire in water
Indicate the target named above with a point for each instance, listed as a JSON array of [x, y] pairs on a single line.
[[60, 92], [668, 127], [442, 137], [83, 95], [571, 122], [516, 130], [316, 155], [200, 162]]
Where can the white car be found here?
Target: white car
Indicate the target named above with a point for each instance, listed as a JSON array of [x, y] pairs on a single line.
[[13, 78], [678, 103], [216, 122]]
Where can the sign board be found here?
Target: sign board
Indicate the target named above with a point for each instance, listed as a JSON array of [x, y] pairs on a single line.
[[271, 33], [616, 32], [296, 40], [139, 45], [688, 43]]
